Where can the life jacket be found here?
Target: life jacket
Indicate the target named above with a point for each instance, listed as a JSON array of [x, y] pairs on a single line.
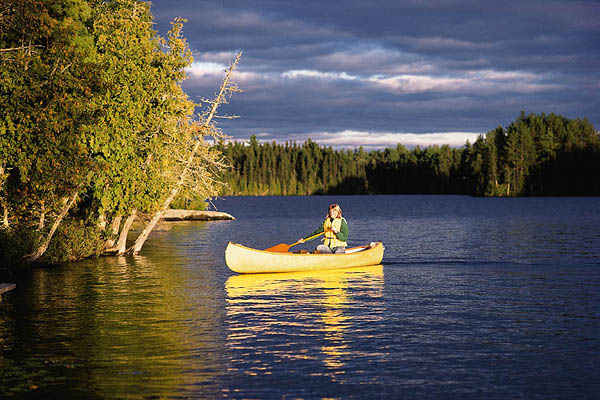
[[331, 239]]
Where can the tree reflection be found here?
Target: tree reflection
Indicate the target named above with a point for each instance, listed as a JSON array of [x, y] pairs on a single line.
[[118, 327]]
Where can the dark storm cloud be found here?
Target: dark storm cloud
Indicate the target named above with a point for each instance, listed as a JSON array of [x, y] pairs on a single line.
[[351, 71]]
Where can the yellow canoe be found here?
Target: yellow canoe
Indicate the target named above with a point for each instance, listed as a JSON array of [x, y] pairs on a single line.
[[245, 260]]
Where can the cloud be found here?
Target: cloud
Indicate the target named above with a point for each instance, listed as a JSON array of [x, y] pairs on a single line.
[[206, 68], [380, 140], [483, 80], [410, 66], [445, 43], [311, 74], [375, 60], [403, 84], [488, 81]]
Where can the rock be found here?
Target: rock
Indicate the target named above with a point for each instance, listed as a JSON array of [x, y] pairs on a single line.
[[5, 287], [194, 215]]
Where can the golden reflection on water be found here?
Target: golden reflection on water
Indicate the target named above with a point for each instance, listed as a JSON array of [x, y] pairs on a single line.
[[127, 321], [324, 306]]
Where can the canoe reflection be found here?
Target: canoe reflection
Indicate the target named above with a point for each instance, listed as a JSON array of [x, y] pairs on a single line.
[[302, 316]]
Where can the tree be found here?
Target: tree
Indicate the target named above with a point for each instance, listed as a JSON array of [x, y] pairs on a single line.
[[93, 121], [47, 81], [203, 161], [524, 159], [144, 109]]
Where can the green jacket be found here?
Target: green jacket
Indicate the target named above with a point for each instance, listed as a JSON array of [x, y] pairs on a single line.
[[341, 235]]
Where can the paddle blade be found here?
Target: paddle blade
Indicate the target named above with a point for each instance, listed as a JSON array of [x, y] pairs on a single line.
[[280, 248]]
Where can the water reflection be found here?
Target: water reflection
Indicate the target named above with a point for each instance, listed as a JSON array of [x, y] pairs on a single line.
[[175, 324], [114, 328], [301, 318]]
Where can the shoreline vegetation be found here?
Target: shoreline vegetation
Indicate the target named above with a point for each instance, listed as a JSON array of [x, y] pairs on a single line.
[[96, 134]]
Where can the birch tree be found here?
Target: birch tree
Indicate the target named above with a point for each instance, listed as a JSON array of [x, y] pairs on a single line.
[[201, 162], [143, 105], [91, 108], [47, 80]]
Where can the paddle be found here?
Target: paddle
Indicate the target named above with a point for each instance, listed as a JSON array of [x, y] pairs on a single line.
[[283, 248]]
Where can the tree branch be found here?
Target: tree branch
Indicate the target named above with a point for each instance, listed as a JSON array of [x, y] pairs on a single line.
[[20, 48]]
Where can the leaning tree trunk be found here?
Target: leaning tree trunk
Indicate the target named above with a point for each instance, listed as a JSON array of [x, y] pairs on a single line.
[[122, 243], [141, 239], [44, 246], [114, 228], [3, 177], [102, 221], [42, 221], [5, 218], [116, 223]]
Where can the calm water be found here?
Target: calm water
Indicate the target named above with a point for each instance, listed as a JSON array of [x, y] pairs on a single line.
[[476, 298]]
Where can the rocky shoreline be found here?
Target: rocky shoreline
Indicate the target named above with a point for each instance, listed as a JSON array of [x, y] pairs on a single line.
[[195, 215]]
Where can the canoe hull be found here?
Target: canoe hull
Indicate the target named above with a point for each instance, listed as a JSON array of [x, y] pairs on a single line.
[[246, 260]]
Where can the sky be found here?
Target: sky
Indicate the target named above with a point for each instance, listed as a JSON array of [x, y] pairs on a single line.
[[375, 73]]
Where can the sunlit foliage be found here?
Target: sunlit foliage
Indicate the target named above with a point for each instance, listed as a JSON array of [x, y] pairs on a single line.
[[94, 125]]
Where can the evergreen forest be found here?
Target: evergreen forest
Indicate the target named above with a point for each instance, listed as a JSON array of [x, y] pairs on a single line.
[[536, 155]]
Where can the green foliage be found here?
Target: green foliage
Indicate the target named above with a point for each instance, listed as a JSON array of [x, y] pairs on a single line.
[[74, 241], [46, 88], [14, 244], [189, 202], [546, 155], [91, 103], [290, 169], [143, 106], [535, 155]]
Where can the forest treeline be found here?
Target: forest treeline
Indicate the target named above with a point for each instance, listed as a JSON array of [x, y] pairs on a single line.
[[536, 155], [95, 129]]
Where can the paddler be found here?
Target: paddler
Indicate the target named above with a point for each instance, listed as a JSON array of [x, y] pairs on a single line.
[[336, 232]]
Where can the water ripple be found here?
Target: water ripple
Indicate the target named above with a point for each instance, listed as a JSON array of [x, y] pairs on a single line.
[[476, 298]]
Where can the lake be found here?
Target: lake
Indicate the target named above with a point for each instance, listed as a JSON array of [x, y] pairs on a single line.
[[492, 298]]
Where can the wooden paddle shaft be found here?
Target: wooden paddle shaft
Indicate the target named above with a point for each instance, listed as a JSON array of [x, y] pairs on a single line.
[[283, 248]]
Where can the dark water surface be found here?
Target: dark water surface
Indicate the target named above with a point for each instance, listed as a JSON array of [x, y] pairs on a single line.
[[476, 298]]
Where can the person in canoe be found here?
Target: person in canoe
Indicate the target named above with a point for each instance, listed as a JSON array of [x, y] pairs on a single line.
[[336, 232]]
